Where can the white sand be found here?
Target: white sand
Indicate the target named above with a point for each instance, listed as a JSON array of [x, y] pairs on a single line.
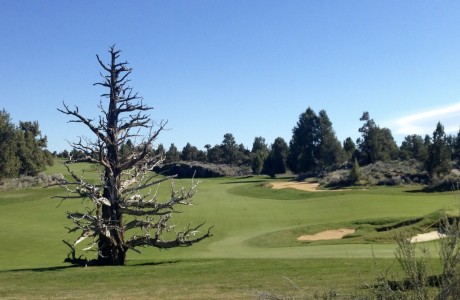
[[425, 237], [333, 234], [304, 186]]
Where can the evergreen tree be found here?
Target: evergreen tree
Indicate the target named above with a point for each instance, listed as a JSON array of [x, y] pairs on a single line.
[[376, 144], [230, 151], [22, 148], [314, 146], [331, 154], [303, 145], [189, 152], [456, 148], [259, 154], [160, 151], [438, 162], [276, 162], [350, 149], [172, 155], [257, 163], [127, 148], [9, 161], [244, 156], [63, 154], [31, 149], [76, 154], [355, 173], [215, 154], [259, 145], [201, 156], [413, 147]]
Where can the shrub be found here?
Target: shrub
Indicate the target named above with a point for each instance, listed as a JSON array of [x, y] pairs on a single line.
[[379, 173], [29, 181], [450, 182], [202, 170], [355, 173]]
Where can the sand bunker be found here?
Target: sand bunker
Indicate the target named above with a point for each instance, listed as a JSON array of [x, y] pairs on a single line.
[[334, 234], [425, 237], [337, 234], [304, 186]]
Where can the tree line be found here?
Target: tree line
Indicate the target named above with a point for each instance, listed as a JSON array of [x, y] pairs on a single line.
[[314, 148], [22, 148]]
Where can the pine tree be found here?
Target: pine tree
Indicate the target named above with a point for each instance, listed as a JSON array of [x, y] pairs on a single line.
[[331, 154], [350, 149], [438, 162], [9, 161], [355, 173], [276, 162], [314, 146], [376, 144], [31, 149], [172, 155], [259, 154]]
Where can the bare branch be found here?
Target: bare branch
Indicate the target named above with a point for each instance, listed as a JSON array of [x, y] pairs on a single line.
[[102, 64], [182, 239], [83, 120]]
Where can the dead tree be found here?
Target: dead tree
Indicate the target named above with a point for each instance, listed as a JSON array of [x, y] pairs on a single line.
[[123, 199]]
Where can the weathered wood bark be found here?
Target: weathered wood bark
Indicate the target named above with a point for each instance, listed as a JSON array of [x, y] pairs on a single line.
[[124, 176]]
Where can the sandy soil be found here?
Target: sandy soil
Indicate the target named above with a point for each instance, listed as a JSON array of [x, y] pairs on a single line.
[[304, 186], [425, 237], [333, 234]]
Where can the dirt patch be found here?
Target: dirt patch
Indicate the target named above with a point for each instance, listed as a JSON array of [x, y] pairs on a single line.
[[333, 234], [304, 186], [425, 237]]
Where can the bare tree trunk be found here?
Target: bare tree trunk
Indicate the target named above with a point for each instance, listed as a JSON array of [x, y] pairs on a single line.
[[111, 242], [111, 250]]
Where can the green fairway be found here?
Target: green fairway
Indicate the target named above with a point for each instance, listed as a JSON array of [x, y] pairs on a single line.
[[193, 279], [253, 248]]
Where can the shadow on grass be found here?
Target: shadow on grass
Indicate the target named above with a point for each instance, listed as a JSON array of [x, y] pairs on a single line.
[[340, 185], [159, 263], [257, 179], [61, 268], [44, 269], [434, 189], [244, 181]]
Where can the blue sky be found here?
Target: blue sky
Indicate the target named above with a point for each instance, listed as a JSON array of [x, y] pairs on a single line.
[[249, 68]]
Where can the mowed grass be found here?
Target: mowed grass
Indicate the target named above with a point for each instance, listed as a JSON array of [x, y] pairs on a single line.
[[194, 279], [253, 249]]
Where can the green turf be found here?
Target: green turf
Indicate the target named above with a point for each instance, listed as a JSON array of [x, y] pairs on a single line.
[[90, 172], [194, 279], [253, 247]]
